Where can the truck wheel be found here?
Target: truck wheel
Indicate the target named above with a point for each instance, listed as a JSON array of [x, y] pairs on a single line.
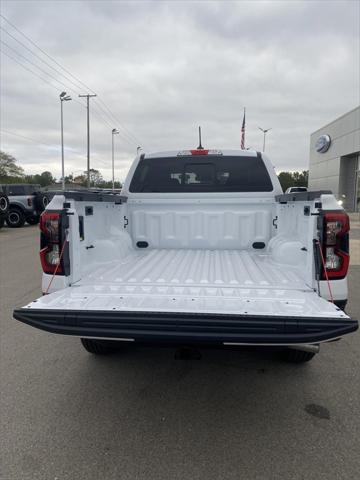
[[15, 218], [98, 347], [33, 219], [41, 201], [297, 356], [4, 204]]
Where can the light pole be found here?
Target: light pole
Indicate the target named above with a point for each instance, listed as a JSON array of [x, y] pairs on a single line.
[[63, 98], [113, 132], [88, 96], [264, 132]]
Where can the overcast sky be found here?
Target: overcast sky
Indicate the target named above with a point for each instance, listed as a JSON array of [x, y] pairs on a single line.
[[163, 68]]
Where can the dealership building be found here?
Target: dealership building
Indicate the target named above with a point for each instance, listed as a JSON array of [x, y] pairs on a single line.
[[335, 159]]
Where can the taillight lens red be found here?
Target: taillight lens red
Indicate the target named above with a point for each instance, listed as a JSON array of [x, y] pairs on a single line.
[[336, 224], [335, 244], [50, 226], [199, 151]]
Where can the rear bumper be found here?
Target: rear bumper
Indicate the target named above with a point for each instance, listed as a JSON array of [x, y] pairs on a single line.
[[187, 327]]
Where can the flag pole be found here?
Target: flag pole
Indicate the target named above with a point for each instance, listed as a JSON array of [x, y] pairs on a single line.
[[243, 132]]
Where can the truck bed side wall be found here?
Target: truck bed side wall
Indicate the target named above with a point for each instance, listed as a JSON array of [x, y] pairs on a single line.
[[104, 237]]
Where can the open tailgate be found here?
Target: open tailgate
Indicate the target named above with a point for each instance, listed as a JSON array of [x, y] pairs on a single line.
[[189, 314]]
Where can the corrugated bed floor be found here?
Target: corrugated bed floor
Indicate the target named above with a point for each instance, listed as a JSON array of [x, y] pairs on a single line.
[[232, 268], [200, 281]]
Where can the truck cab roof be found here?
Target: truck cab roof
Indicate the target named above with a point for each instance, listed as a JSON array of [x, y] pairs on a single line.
[[187, 151]]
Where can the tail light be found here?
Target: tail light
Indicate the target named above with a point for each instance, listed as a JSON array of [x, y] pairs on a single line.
[[53, 241], [199, 151], [335, 244]]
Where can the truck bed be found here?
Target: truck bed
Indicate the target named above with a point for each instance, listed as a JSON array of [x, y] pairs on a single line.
[[191, 296], [201, 281], [196, 268]]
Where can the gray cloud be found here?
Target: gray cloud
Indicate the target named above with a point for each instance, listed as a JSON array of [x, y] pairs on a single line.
[[165, 67]]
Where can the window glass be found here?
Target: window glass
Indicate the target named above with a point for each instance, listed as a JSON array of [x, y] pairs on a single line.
[[16, 190], [215, 173], [199, 174]]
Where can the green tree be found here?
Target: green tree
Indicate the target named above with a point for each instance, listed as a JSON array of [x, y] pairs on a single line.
[[80, 180], [301, 178], [8, 168], [44, 179], [95, 177], [108, 184], [12, 173], [286, 180], [69, 178], [293, 179]]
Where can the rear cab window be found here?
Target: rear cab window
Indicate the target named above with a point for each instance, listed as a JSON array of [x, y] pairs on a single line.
[[207, 174]]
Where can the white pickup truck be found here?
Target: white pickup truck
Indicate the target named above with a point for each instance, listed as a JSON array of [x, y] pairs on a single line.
[[201, 247]]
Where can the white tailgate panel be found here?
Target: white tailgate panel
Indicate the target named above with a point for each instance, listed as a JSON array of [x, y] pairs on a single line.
[[193, 300]]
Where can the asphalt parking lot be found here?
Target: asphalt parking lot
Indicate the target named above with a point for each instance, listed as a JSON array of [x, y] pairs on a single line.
[[147, 414]]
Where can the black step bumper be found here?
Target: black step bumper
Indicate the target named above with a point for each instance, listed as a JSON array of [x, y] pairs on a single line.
[[160, 327]]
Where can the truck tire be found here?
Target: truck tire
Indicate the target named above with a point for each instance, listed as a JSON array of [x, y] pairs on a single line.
[[98, 347], [15, 218], [2, 221], [297, 356], [33, 219], [4, 204], [41, 201]]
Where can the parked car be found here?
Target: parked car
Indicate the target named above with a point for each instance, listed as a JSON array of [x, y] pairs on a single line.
[[201, 247], [296, 189], [26, 203], [4, 207]]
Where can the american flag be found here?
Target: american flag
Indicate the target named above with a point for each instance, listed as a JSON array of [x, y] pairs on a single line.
[[243, 133]]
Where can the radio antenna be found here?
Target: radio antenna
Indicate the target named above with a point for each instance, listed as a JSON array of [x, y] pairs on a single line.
[[200, 147]]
